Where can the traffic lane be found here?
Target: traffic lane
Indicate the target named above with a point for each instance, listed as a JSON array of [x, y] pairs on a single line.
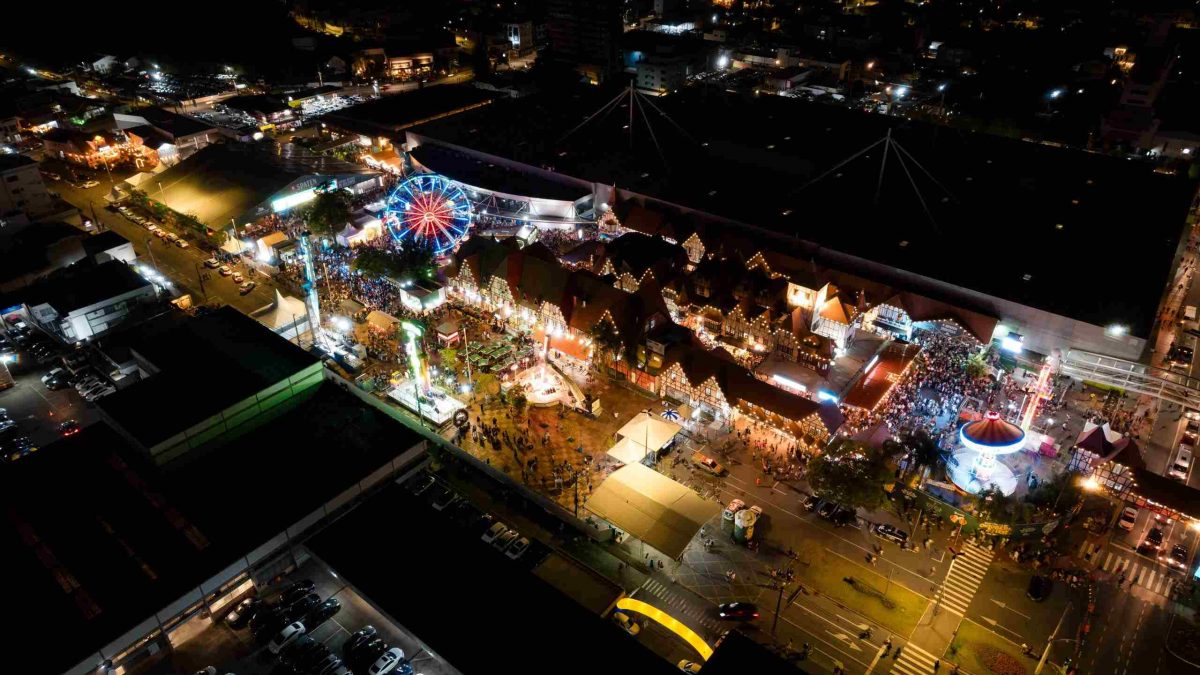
[[834, 633], [786, 509], [1001, 602]]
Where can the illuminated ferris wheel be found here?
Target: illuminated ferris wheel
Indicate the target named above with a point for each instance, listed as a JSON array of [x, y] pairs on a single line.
[[430, 210]]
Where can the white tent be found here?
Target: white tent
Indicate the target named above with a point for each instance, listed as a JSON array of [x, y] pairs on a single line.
[[649, 432], [287, 316], [659, 511]]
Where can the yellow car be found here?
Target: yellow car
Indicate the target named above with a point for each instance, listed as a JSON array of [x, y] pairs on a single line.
[[627, 624], [689, 666]]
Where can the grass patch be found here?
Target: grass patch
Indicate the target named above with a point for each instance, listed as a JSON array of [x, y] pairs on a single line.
[[899, 609], [978, 650]]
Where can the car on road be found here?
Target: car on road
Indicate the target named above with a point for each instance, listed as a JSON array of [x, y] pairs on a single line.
[[387, 662], [290, 633], [627, 624], [88, 184], [247, 287], [734, 506], [1178, 557], [1152, 543], [891, 533], [242, 614], [708, 464], [517, 549], [1128, 519], [1039, 588], [827, 509], [6, 424], [68, 428], [737, 611], [688, 666], [496, 530], [1181, 465], [224, 270], [181, 243], [160, 233], [810, 502], [238, 278], [212, 263], [172, 237]]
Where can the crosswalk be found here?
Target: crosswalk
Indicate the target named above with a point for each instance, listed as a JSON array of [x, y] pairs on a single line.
[[966, 573], [914, 661], [679, 605], [1149, 576]]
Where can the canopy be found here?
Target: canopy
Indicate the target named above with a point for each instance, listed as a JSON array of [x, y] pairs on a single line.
[[659, 511], [627, 452], [382, 320], [649, 432]]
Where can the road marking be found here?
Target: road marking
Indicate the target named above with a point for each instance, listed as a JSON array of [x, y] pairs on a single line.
[[914, 661], [1148, 582], [1108, 561], [836, 648], [1082, 548]]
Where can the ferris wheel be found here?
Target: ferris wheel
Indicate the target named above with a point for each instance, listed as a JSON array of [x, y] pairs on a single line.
[[430, 210]]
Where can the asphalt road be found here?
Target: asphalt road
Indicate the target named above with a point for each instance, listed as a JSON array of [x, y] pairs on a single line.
[[183, 267]]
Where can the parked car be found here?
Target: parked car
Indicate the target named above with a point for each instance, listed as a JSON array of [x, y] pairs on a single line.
[[627, 624], [1183, 462], [1128, 519], [387, 662], [329, 661], [708, 464], [688, 666], [289, 594], [290, 633], [100, 393], [441, 502], [172, 237], [238, 278], [52, 374], [891, 533], [89, 184], [321, 613], [364, 655], [810, 502], [1039, 588], [494, 531], [1152, 543], [827, 509], [240, 616], [358, 638], [734, 506], [420, 483], [224, 270], [212, 263], [517, 549], [302, 606], [505, 540], [181, 243], [247, 287], [737, 611]]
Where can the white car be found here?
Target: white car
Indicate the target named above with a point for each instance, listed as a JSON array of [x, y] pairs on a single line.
[[172, 237], [87, 386], [494, 531], [212, 263], [100, 393], [1128, 519], [181, 243], [1183, 462], [89, 184], [518, 547], [54, 373], [292, 632], [390, 660]]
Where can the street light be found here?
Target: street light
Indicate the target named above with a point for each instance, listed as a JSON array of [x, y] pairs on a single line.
[[1055, 93]]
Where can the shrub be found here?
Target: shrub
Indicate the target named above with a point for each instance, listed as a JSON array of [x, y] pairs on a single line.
[[1001, 662]]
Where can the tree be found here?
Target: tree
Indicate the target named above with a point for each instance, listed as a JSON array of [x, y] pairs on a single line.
[[851, 474], [519, 401], [604, 334], [416, 259], [374, 262], [924, 449], [328, 212], [976, 367]]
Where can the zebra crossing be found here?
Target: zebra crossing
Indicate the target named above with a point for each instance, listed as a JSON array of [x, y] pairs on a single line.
[[966, 574], [914, 661], [1147, 575], [679, 605]]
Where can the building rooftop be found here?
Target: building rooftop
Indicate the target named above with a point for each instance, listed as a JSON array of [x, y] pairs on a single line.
[[101, 539], [176, 126], [77, 287], [412, 590], [256, 103], [390, 115], [226, 181], [12, 160], [993, 215], [475, 172], [218, 359]]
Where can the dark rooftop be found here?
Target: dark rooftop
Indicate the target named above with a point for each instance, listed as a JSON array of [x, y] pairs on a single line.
[[103, 241], [218, 359], [174, 125], [478, 173], [1041, 226], [391, 114], [78, 286], [507, 616], [12, 160], [256, 103], [101, 540]]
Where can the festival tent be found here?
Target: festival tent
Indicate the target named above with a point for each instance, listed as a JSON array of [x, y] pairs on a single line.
[[661, 512]]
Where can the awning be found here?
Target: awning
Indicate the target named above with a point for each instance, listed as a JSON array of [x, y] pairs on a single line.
[[659, 511], [627, 452], [649, 431], [382, 320]]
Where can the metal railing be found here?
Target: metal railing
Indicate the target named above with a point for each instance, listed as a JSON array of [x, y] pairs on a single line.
[[1137, 378]]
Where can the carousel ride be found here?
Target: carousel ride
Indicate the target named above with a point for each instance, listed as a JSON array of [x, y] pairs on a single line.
[[975, 466]]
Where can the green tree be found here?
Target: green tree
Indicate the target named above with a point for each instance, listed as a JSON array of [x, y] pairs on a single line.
[[519, 401], [416, 260], [606, 338], [373, 262], [851, 474], [976, 367], [328, 212]]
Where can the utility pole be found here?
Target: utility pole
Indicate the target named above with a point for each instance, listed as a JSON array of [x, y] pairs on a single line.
[[1046, 652], [778, 608]]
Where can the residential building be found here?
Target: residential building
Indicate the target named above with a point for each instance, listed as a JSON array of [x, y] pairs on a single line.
[[584, 35], [82, 302], [21, 186], [172, 137]]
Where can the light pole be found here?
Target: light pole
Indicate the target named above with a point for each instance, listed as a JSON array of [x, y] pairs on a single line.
[[150, 250], [1046, 652], [646, 435]]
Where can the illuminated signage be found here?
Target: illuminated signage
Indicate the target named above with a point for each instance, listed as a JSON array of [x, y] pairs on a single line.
[[295, 199], [788, 382]]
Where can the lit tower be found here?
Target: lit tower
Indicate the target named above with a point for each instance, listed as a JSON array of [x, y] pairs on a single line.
[[311, 302]]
